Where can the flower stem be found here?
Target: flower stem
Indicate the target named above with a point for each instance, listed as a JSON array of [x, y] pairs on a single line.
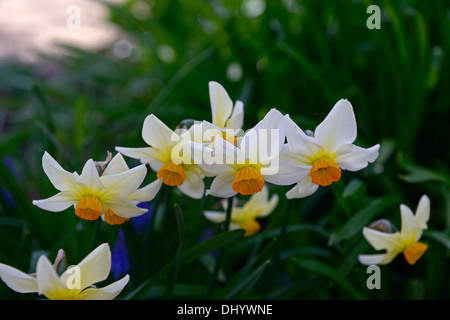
[[213, 278], [279, 247]]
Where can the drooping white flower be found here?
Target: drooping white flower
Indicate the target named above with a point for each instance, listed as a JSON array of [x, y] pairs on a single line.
[[328, 152], [113, 193], [245, 166], [76, 283], [258, 206], [406, 241], [165, 156]]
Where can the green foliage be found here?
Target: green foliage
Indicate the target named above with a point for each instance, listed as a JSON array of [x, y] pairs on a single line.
[[300, 57]]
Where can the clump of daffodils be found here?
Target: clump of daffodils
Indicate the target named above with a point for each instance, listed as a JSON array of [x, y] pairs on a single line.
[[405, 241], [241, 164]]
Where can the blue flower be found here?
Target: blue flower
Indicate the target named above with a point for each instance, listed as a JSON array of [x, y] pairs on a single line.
[[141, 223], [120, 262]]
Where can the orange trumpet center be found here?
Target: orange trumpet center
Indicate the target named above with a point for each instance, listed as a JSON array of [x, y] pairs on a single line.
[[414, 251], [324, 172], [172, 174], [89, 208], [251, 227], [248, 181], [113, 219]]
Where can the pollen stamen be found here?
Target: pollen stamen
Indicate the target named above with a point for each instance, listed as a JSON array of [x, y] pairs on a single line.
[[248, 181], [172, 174], [324, 172]]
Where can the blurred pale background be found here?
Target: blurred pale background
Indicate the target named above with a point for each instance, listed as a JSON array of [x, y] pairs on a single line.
[[30, 25]]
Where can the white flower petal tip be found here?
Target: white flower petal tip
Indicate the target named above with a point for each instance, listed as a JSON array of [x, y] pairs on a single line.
[[302, 189]]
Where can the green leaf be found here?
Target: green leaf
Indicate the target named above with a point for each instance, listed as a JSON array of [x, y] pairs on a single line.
[[439, 236], [174, 272], [330, 272], [362, 218], [187, 257], [352, 187], [419, 175], [248, 283]]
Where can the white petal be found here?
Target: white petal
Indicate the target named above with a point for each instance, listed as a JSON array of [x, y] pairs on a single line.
[[60, 178], [106, 293], [227, 153], [215, 216], [221, 186], [193, 185], [377, 259], [236, 120], [95, 267], [221, 104], [381, 240], [284, 173], [302, 189], [90, 178], [116, 165], [300, 148], [410, 226], [222, 159], [122, 206], [147, 193], [146, 155], [423, 212], [354, 158], [18, 280], [59, 202], [338, 128], [264, 141], [124, 183], [269, 207], [156, 134], [48, 281]]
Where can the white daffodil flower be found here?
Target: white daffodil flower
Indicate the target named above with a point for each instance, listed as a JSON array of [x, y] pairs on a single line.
[[406, 241], [243, 168], [114, 193], [166, 157], [227, 120], [147, 193], [329, 151], [258, 206], [76, 283]]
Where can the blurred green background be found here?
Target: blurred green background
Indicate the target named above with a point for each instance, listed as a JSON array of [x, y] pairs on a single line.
[[300, 57]]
